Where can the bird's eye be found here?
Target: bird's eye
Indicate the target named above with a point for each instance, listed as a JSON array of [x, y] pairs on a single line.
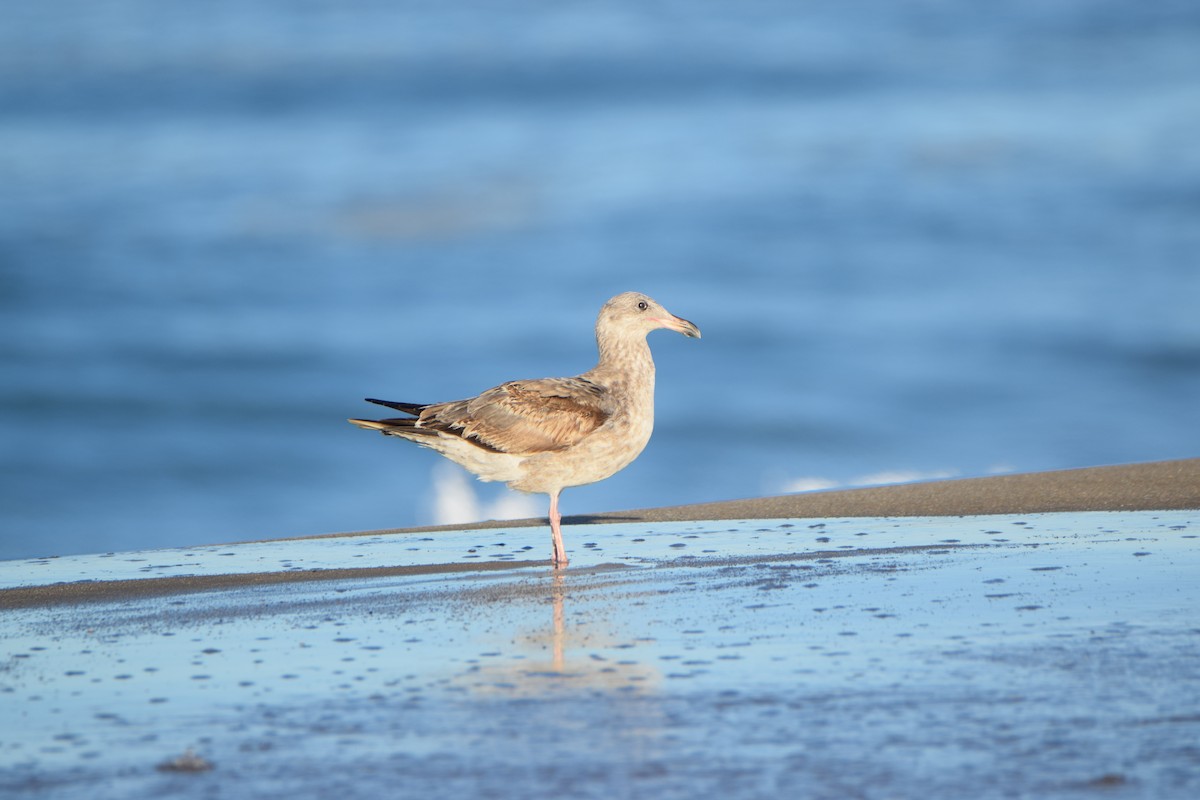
[[642, 305]]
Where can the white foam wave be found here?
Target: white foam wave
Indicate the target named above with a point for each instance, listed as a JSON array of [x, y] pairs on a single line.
[[812, 483], [456, 502], [808, 484], [891, 476]]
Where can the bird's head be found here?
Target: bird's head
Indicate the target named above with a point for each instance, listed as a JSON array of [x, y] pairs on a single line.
[[636, 314]]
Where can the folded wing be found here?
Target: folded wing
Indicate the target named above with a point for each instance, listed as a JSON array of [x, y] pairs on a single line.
[[519, 417]]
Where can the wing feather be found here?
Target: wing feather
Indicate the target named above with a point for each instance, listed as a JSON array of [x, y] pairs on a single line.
[[525, 417]]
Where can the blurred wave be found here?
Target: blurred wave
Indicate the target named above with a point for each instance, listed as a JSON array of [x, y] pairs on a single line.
[[456, 501]]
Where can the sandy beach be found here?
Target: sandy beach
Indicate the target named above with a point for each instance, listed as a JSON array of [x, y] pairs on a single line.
[[1149, 486], [1124, 487], [1018, 635]]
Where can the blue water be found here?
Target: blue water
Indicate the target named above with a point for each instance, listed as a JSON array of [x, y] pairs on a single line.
[[921, 239]]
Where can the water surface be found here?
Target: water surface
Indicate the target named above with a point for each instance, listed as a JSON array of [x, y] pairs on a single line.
[[921, 239]]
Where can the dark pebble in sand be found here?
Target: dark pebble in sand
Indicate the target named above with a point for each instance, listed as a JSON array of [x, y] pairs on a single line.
[[188, 762]]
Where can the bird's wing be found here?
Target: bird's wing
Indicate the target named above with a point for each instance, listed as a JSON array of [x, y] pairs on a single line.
[[525, 417]]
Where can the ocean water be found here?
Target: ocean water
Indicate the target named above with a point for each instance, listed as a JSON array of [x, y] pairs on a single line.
[[922, 239]]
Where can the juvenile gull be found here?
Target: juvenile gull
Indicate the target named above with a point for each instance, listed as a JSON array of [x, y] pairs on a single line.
[[545, 435]]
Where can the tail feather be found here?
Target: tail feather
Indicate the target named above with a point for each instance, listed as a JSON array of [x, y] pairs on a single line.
[[368, 424], [400, 426], [408, 408]]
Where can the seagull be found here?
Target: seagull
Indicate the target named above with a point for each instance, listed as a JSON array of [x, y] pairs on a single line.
[[542, 436]]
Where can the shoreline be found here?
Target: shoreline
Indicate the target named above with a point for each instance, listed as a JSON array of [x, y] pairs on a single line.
[[1144, 486], [435, 662], [1153, 486]]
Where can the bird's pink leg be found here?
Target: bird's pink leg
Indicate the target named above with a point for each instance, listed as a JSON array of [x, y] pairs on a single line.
[[559, 558]]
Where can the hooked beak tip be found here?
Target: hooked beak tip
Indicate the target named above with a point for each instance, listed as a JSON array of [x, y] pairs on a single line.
[[685, 327]]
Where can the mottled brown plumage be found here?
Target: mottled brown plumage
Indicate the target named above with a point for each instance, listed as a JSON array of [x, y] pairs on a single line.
[[544, 435]]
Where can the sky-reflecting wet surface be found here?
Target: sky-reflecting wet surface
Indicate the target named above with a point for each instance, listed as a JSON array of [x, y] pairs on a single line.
[[1043, 655]]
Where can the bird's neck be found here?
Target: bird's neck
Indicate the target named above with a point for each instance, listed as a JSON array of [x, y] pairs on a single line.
[[626, 363]]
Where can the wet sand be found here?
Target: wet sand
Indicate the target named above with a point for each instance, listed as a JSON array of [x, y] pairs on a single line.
[[1150, 486], [1024, 651]]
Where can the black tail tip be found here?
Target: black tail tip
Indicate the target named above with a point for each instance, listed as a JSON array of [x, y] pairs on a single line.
[[408, 408]]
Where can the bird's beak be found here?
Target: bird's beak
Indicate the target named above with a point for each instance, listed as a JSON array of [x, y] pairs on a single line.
[[681, 325]]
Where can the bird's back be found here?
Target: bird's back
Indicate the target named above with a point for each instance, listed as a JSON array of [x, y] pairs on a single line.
[[525, 417]]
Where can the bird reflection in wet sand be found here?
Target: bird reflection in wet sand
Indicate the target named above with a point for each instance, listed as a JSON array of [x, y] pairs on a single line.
[[558, 592], [545, 435]]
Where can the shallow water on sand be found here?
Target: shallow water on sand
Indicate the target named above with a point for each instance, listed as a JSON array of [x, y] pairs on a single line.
[[985, 656]]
